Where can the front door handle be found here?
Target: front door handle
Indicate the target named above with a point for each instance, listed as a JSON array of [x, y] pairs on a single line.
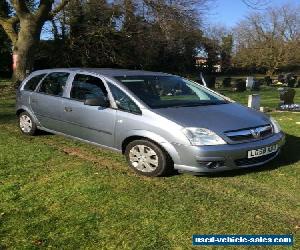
[[33, 100], [68, 109]]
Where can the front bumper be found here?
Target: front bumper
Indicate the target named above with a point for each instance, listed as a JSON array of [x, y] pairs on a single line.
[[230, 156]]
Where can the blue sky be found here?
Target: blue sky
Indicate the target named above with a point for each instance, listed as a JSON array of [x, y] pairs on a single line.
[[229, 12]]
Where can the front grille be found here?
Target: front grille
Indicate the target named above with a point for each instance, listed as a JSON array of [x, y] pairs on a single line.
[[251, 161], [250, 133]]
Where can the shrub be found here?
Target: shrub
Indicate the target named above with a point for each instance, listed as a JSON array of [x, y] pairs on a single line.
[[210, 81], [267, 80], [239, 85], [280, 78], [226, 82], [298, 84], [262, 82]]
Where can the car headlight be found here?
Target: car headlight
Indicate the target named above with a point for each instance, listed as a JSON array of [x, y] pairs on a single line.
[[202, 136], [275, 125]]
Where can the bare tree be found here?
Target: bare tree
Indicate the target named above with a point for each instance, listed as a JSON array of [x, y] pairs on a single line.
[[256, 4], [24, 29], [270, 39]]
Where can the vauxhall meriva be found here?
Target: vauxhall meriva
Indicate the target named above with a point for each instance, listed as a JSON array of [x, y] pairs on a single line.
[[159, 121]]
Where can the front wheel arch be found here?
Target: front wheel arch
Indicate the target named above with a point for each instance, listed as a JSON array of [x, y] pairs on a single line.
[[135, 138], [19, 111], [152, 137]]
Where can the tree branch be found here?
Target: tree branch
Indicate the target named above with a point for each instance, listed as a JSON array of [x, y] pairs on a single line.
[[8, 26], [44, 8], [256, 4], [58, 8], [20, 7], [13, 20]]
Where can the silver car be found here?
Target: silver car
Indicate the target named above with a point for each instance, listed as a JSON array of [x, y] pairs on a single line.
[[160, 122]]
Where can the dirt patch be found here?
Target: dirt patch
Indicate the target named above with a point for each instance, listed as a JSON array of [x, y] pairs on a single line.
[[83, 155]]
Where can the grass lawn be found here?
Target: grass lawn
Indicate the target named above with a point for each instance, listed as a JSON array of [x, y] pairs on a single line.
[[60, 193]]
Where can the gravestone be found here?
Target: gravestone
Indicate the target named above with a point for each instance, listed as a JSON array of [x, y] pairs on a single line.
[[286, 95], [290, 80], [256, 85], [287, 100], [254, 101], [249, 82]]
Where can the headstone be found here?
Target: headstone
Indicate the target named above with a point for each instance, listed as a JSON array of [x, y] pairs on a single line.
[[256, 85], [249, 82], [254, 101], [286, 95], [264, 109], [290, 80], [287, 100]]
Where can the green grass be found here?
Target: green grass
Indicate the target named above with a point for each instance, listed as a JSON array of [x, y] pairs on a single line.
[[269, 96], [60, 193]]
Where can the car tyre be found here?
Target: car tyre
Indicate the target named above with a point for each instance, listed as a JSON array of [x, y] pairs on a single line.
[[148, 159], [27, 124]]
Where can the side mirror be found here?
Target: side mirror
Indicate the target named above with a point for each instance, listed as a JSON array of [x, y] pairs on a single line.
[[100, 101]]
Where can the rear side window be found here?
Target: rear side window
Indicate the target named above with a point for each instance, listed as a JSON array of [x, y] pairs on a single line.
[[86, 87], [33, 82], [54, 83]]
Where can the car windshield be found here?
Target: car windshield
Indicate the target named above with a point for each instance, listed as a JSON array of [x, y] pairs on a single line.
[[170, 91]]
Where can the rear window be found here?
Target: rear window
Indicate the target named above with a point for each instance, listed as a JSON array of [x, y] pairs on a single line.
[[33, 82]]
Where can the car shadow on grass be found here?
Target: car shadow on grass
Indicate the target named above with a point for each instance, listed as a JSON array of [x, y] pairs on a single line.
[[7, 114], [289, 155], [7, 118]]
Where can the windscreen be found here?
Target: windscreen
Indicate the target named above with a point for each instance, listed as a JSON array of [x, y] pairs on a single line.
[[170, 91]]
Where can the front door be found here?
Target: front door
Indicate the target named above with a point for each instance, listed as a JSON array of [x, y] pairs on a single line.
[[95, 124]]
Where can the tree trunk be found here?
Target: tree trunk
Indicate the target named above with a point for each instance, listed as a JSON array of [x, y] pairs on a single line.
[[24, 47], [26, 38]]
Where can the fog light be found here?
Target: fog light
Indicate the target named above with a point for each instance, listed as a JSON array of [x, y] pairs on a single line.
[[211, 164]]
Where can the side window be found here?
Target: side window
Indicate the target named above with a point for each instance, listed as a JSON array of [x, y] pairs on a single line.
[[85, 87], [32, 83], [54, 83], [123, 101]]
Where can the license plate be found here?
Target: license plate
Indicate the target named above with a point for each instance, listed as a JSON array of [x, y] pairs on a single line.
[[262, 151]]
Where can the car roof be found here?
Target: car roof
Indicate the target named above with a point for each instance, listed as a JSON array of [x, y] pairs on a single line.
[[104, 71]]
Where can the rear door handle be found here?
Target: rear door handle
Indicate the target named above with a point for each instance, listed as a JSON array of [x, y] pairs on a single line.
[[68, 109], [33, 100]]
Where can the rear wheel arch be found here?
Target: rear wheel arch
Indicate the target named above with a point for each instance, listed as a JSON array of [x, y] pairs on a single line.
[[22, 109]]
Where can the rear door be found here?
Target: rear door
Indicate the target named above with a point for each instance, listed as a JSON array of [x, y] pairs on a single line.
[[95, 124], [25, 92], [47, 102]]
